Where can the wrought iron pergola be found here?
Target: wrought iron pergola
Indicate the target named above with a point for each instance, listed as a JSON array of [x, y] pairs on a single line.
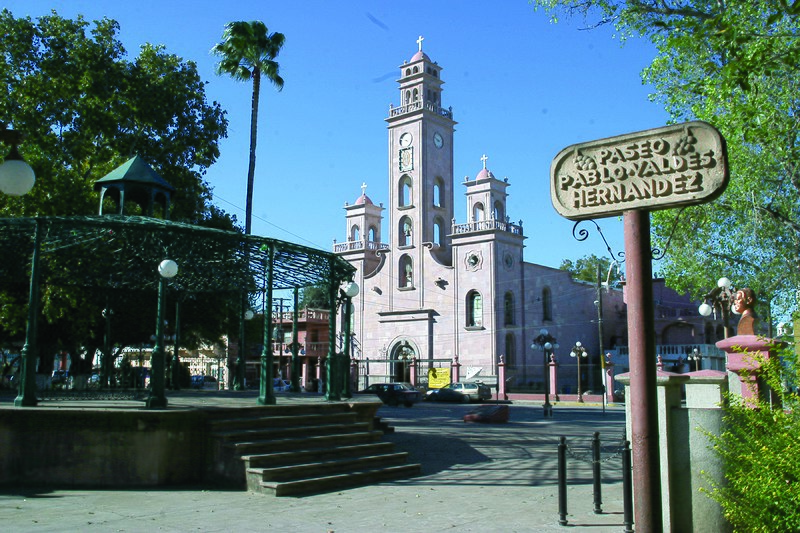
[[116, 252]]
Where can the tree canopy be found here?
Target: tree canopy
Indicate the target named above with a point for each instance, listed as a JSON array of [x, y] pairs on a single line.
[[585, 268], [735, 65], [83, 108]]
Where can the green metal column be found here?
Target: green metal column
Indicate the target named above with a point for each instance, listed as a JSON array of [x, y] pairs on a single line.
[[332, 390], [347, 383], [175, 365], [27, 387], [295, 345], [266, 394], [157, 398], [238, 380]]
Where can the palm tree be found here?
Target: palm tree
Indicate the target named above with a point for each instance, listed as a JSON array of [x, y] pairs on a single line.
[[247, 52]]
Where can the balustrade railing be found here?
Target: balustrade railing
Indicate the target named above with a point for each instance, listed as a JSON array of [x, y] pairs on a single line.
[[353, 246], [486, 225], [417, 105]]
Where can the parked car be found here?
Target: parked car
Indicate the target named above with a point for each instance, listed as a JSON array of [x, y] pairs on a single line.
[[204, 382], [460, 392], [394, 393]]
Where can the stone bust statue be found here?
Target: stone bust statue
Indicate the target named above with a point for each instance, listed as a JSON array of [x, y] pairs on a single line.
[[743, 303]]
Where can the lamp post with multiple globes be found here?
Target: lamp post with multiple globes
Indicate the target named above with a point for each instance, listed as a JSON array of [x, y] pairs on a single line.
[[577, 352], [546, 343]]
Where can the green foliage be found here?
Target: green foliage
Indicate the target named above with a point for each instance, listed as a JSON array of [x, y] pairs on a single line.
[[83, 108], [314, 297], [585, 268], [762, 476], [737, 66]]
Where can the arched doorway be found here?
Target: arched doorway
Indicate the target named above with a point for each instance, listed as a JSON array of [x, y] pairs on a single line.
[[403, 353]]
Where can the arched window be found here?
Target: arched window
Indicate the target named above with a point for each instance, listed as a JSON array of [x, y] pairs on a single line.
[[511, 351], [416, 95], [406, 275], [373, 234], [355, 233], [405, 232], [405, 190], [477, 212], [438, 231], [438, 190], [508, 309], [416, 69], [547, 304], [408, 72], [498, 212], [474, 309]]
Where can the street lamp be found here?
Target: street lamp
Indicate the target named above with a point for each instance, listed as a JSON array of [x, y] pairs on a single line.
[[546, 343], [167, 269], [16, 176], [696, 357], [577, 352], [719, 298]]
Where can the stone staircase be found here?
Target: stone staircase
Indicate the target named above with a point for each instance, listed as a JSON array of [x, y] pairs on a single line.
[[303, 449]]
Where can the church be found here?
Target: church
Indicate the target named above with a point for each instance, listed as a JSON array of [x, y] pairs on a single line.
[[440, 291]]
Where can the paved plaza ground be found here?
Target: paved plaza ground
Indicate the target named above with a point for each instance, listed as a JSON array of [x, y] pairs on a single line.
[[475, 477]]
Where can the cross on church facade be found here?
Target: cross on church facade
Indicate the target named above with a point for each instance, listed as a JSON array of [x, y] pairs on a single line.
[[363, 188], [419, 42], [483, 160]]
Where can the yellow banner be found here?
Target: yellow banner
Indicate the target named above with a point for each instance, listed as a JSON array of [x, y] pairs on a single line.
[[438, 377]]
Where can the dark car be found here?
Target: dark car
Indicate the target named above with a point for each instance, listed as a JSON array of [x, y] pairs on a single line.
[[394, 393], [460, 392]]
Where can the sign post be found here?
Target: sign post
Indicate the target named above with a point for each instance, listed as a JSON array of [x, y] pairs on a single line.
[[631, 175]]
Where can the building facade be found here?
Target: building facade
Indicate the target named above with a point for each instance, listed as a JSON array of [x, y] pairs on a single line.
[[440, 290]]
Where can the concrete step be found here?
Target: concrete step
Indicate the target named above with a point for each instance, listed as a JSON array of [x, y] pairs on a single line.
[[335, 482], [303, 443], [270, 433], [233, 424], [326, 468], [318, 454]]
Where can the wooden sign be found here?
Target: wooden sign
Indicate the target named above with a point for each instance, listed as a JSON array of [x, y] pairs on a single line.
[[678, 165]]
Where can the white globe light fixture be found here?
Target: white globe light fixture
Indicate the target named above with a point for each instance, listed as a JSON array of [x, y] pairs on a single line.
[[705, 309], [724, 283], [351, 289], [16, 176], [248, 315], [168, 268]]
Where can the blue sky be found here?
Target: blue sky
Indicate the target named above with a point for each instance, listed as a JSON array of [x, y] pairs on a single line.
[[520, 87]]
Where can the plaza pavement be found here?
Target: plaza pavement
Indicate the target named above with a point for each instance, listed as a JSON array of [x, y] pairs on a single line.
[[475, 477]]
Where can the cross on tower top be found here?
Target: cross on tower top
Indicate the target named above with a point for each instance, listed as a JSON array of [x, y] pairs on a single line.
[[364, 188], [419, 42], [484, 159]]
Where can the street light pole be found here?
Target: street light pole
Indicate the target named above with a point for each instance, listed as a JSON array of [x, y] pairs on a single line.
[[167, 269], [546, 343], [719, 298], [695, 356], [577, 352]]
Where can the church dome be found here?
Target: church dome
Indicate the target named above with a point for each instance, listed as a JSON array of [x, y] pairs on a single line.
[[485, 173], [363, 200], [420, 55]]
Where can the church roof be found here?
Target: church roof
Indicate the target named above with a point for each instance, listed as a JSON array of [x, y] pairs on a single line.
[[485, 173], [420, 55], [363, 200]]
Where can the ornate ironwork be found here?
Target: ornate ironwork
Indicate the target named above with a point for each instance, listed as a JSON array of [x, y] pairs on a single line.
[[658, 254], [583, 234]]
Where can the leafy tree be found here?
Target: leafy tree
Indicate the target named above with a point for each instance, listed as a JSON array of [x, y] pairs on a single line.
[[735, 65], [247, 52], [585, 268], [762, 481], [314, 296], [84, 108]]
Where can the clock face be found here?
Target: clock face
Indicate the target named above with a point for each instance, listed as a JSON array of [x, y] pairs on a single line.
[[438, 141], [405, 139], [508, 261]]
